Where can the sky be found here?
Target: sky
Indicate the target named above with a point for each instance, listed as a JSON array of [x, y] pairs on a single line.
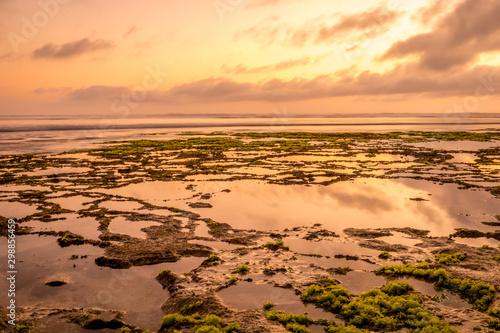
[[85, 57]]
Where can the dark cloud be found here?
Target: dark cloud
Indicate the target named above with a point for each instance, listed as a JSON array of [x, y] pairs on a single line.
[[399, 81], [319, 30], [73, 49], [471, 29]]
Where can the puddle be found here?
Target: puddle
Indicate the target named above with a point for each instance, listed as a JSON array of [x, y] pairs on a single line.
[[215, 244], [133, 290], [58, 171], [363, 203], [124, 206], [334, 262], [400, 238], [256, 294], [254, 171], [357, 282], [463, 158], [86, 226], [326, 247], [16, 209], [184, 265], [122, 226], [24, 188], [156, 192], [445, 297], [456, 145], [202, 230], [75, 203], [477, 242]]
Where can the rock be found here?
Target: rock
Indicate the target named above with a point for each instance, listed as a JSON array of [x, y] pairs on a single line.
[[112, 262], [380, 245], [56, 283], [367, 233], [200, 205]]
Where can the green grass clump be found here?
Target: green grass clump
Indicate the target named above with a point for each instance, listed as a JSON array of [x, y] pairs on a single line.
[[297, 328], [241, 269], [389, 308], [232, 327], [478, 293], [268, 305], [330, 297], [164, 273], [447, 259], [316, 255], [133, 330], [233, 280], [210, 324], [290, 318], [21, 328], [397, 288], [384, 255], [174, 319], [188, 307], [276, 246]]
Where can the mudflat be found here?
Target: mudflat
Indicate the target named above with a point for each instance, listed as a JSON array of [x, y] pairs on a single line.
[[258, 232]]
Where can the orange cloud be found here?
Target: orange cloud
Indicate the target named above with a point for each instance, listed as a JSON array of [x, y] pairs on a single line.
[[73, 49], [399, 81], [456, 40], [282, 65], [319, 30]]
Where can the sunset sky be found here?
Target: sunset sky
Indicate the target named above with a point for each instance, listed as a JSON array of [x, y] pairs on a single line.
[[249, 56]]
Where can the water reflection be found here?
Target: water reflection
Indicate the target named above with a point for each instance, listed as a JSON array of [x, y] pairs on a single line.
[[363, 203]]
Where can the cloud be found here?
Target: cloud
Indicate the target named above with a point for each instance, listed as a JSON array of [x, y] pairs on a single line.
[[282, 65], [320, 30], [399, 81], [130, 31], [97, 93], [457, 39], [428, 15], [73, 49], [372, 23], [43, 91]]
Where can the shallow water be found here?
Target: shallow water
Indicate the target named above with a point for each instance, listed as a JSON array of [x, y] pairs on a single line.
[[84, 226], [214, 244], [357, 281], [134, 290], [363, 203], [76, 202], [256, 294], [445, 297], [157, 192], [334, 262], [16, 209], [328, 248], [120, 225], [125, 206]]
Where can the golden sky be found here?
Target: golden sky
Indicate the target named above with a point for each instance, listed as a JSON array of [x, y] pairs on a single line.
[[249, 56]]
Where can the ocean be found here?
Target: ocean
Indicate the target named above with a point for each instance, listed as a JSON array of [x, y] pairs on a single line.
[[56, 134]]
